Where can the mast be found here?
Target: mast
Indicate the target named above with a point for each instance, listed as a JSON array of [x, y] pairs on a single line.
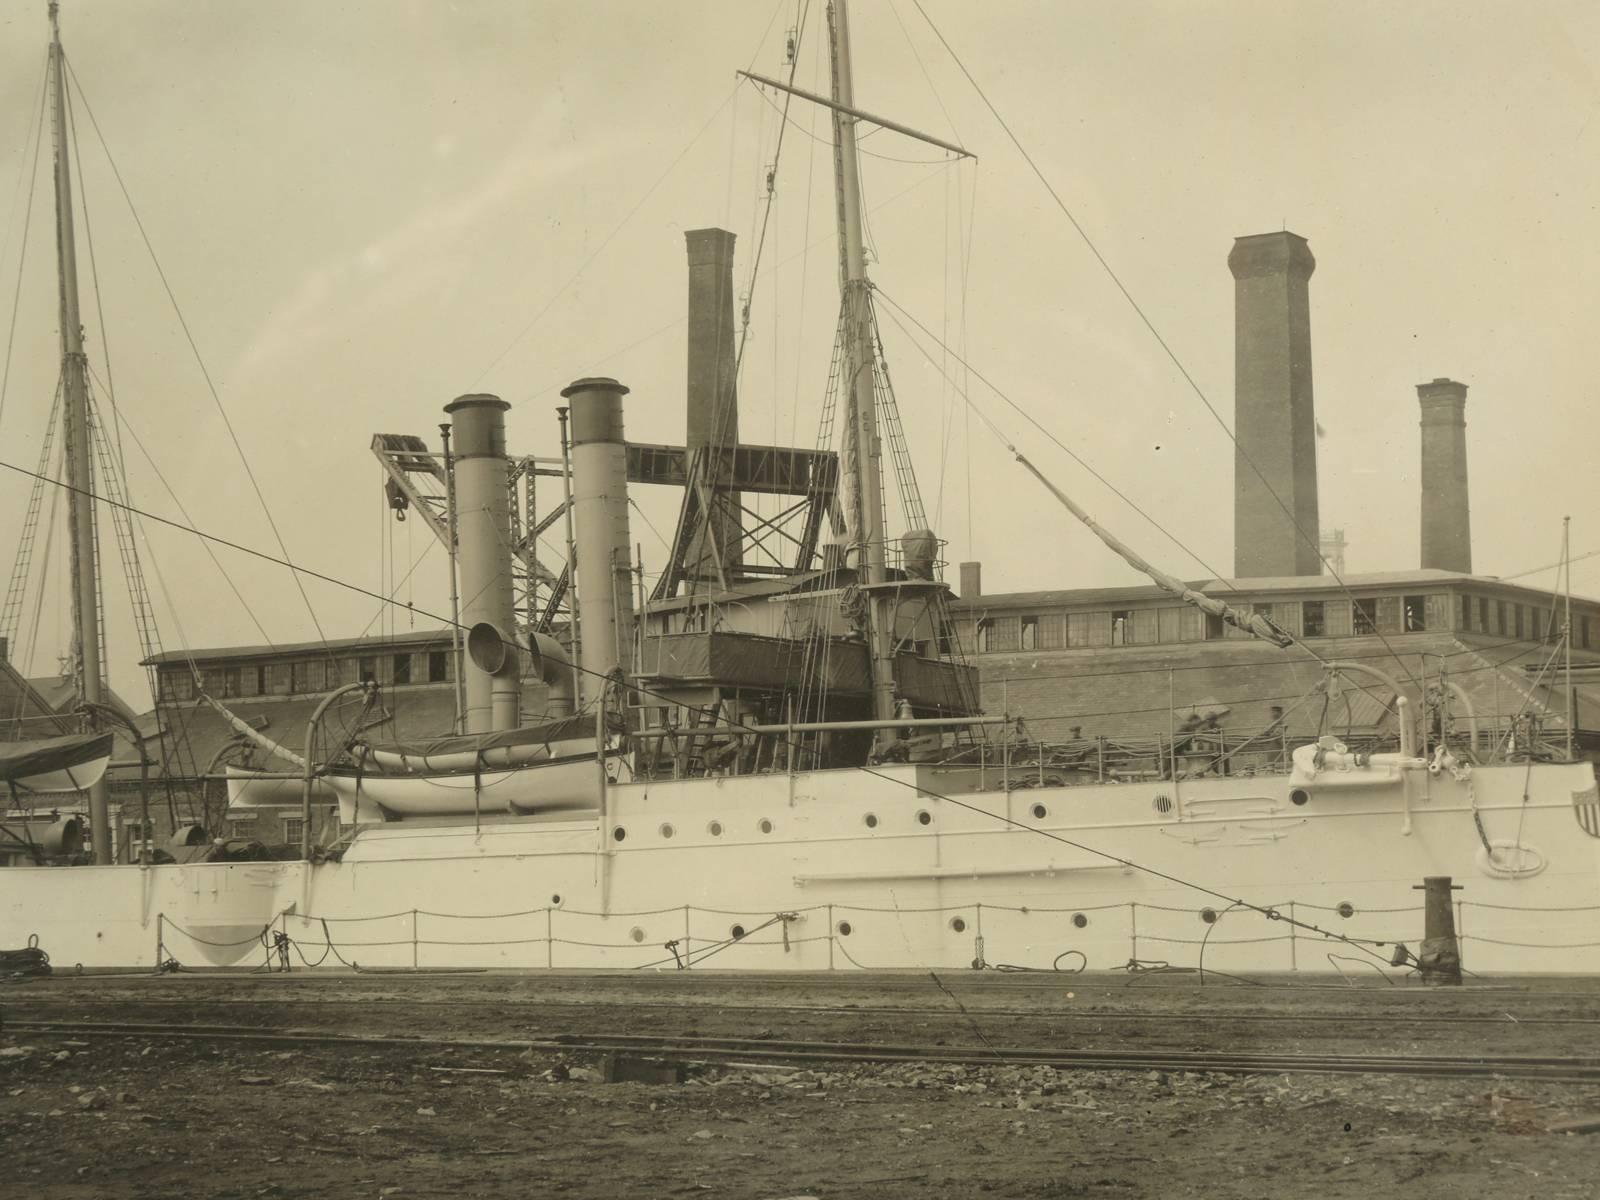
[[80, 478], [1566, 631], [866, 449]]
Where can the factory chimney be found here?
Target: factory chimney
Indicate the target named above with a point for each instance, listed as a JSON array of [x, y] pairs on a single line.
[[1446, 519], [600, 513], [483, 562], [1275, 462], [713, 402]]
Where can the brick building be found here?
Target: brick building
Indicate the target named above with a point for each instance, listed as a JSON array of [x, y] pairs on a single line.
[[1132, 664]]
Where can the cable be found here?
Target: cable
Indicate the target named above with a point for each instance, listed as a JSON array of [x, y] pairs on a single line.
[[1315, 543], [195, 349], [598, 250], [27, 223]]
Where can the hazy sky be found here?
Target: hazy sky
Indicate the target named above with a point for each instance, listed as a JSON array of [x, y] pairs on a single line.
[[366, 208]]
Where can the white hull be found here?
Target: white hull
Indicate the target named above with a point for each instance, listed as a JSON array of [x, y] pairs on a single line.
[[561, 891]]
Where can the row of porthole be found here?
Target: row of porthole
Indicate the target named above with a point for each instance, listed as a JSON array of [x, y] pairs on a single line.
[[924, 817], [1209, 915], [871, 820], [667, 830]]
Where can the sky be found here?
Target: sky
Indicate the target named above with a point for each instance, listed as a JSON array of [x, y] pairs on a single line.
[[366, 208]]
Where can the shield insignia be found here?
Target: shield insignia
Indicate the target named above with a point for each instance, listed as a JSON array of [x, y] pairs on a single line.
[[1586, 806]]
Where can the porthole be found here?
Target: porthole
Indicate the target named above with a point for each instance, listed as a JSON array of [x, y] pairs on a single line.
[[1209, 915], [870, 820], [844, 928], [1346, 909], [1040, 812], [764, 825], [736, 932], [924, 817], [1299, 796], [667, 830], [619, 833], [1079, 921], [958, 924], [636, 934], [1162, 804], [714, 829]]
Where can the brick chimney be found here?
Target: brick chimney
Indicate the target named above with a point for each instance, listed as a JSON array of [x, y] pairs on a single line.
[[1446, 516], [971, 580], [713, 405], [1273, 419]]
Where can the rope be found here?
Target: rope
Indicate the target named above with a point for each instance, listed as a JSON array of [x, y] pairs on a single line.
[[199, 360], [1312, 539]]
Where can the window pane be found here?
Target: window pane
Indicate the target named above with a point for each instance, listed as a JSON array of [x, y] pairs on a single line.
[[1313, 622]]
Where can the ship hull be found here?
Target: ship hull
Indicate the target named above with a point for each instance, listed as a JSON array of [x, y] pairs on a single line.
[[946, 872]]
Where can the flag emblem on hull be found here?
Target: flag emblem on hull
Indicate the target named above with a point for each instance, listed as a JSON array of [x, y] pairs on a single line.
[[1586, 805]]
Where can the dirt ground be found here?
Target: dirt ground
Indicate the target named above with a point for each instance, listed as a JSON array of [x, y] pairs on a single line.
[[144, 1117]]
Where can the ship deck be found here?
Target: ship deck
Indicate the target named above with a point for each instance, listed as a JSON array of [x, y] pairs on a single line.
[[860, 1084]]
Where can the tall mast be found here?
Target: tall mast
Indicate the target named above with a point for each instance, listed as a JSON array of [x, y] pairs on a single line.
[[866, 449], [75, 386]]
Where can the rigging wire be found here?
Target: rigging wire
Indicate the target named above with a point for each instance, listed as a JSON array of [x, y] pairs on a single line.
[[609, 238], [1313, 541], [125, 424], [195, 349], [27, 223]]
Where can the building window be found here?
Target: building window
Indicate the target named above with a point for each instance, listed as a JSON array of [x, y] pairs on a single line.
[[1169, 625], [1365, 615], [1537, 618], [1415, 616], [985, 627], [179, 685], [1483, 614], [1030, 633], [1517, 610], [438, 666], [261, 681], [1464, 612], [243, 826], [402, 668], [293, 827], [368, 670], [1122, 627], [1215, 627], [1583, 626], [1500, 623], [1313, 619]]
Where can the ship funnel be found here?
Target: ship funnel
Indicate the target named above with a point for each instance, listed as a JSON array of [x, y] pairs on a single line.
[[600, 513], [483, 554], [551, 664], [492, 651]]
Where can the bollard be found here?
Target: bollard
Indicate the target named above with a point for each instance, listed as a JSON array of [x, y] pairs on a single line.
[[1440, 960]]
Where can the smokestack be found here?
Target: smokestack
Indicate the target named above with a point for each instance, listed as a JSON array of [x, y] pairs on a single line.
[[1446, 519], [1273, 419], [713, 404], [971, 580], [600, 512], [483, 540]]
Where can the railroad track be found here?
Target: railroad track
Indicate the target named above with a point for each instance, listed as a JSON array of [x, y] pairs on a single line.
[[1198, 1016], [721, 1050]]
